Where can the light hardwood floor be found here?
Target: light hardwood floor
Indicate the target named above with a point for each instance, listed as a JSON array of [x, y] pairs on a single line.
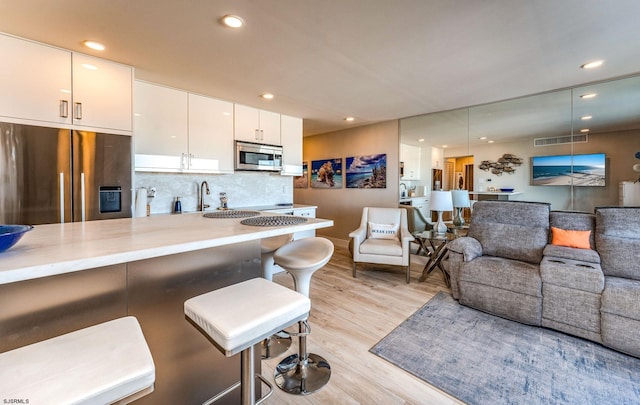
[[349, 316]]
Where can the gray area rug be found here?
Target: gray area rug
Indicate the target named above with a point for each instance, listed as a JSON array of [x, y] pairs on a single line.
[[483, 359]]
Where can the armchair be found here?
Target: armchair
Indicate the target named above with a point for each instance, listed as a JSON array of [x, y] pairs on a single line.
[[416, 222], [382, 238]]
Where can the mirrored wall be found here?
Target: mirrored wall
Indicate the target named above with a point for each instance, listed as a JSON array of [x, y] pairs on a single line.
[[526, 144]]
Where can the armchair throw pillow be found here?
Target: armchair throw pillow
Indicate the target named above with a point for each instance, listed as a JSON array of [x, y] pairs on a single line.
[[383, 231]]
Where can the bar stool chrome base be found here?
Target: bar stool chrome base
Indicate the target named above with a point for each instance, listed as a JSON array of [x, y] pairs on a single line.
[[275, 345], [302, 377]]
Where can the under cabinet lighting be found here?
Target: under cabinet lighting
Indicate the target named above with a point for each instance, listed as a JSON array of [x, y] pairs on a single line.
[[588, 95], [591, 65], [232, 21], [94, 45]]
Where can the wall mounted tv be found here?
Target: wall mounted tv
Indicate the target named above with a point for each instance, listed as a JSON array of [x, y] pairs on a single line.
[[566, 170]]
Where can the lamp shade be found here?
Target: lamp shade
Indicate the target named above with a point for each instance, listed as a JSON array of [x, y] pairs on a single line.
[[460, 198], [440, 201]]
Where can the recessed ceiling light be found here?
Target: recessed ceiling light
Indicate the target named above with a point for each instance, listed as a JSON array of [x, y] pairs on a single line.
[[584, 130], [589, 95], [90, 67], [232, 21], [489, 141], [482, 138], [94, 45], [591, 65], [445, 146], [349, 119], [421, 140], [586, 117], [267, 96]]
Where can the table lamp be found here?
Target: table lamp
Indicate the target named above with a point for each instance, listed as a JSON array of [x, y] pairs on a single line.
[[440, 201], [460, 201]]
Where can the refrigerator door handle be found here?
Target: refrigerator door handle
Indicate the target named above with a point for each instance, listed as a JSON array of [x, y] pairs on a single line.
[[78, 111], [64, 108], [82, 199], [62, 198]]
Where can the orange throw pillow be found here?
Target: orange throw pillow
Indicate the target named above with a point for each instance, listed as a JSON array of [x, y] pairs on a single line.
[[574, 239]]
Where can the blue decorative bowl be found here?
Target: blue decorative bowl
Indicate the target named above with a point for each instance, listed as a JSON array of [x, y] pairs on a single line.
[[11, 234], [506, 190]]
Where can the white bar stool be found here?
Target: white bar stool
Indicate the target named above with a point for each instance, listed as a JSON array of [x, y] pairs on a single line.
[[278, 343], [241, 315], [102, 364], [303, 373]]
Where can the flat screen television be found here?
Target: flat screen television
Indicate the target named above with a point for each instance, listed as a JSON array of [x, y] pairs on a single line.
[[565, 170]]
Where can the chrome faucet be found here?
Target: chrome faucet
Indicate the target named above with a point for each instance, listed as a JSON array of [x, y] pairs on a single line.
[[403, 192], [204, 185]]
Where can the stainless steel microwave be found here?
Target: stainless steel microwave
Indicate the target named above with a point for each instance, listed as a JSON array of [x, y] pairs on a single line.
[[255, 156]]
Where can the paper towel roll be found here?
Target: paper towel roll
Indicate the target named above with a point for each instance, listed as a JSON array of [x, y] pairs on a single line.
[[141, 202]]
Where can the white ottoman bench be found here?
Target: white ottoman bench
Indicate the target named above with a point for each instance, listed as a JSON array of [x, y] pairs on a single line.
[[102, 364]]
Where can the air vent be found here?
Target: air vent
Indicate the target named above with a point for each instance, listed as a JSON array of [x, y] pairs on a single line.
[[558, 140]]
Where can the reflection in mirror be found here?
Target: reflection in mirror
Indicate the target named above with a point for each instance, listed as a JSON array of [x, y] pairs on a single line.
[[433, 133], [608, 123], [527, 127]]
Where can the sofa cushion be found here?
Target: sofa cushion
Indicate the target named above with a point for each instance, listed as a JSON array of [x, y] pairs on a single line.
[[385, 247], [506, 274], [577, 221], [563, 252], [570, 238], [618, 241], [621, 297], [511, 229], [572, 274]]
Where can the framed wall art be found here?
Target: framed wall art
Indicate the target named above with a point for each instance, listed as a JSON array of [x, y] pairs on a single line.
[[302, 181], [368, 171], [326, 173]]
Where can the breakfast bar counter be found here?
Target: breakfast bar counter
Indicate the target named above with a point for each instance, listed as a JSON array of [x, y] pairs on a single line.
[[62, 248], [63, 277]]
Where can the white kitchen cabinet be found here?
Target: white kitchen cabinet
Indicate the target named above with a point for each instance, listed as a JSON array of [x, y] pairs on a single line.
[[161, 127], [291, 137], [308, 212], [211, 146], [102, 93], [35, 80], [421, 203], [254, 125], [177, 131], [47, 85], [410, 157]]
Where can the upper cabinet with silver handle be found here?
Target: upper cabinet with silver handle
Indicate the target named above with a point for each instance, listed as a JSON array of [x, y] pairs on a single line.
[[101, 99], [177, 131], [254, 125]]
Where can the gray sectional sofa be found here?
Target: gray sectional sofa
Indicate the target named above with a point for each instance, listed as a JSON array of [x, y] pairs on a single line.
[[508, 266]]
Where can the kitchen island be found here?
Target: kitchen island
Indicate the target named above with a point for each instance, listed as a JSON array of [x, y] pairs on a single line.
[[63, 277]]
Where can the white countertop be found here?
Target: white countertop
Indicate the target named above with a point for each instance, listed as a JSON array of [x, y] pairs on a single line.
[[63, 248]]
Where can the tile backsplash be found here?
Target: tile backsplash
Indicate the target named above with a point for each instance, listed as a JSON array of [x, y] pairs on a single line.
[[243, 189]]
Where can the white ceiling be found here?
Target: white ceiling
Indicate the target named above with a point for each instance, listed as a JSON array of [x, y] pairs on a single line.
[[324, 60]]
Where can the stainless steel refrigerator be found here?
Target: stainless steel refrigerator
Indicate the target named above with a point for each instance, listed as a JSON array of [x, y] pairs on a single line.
[[52, 175]]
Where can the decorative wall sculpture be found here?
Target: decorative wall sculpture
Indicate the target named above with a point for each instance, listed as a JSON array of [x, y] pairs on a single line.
[[505, 164]]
